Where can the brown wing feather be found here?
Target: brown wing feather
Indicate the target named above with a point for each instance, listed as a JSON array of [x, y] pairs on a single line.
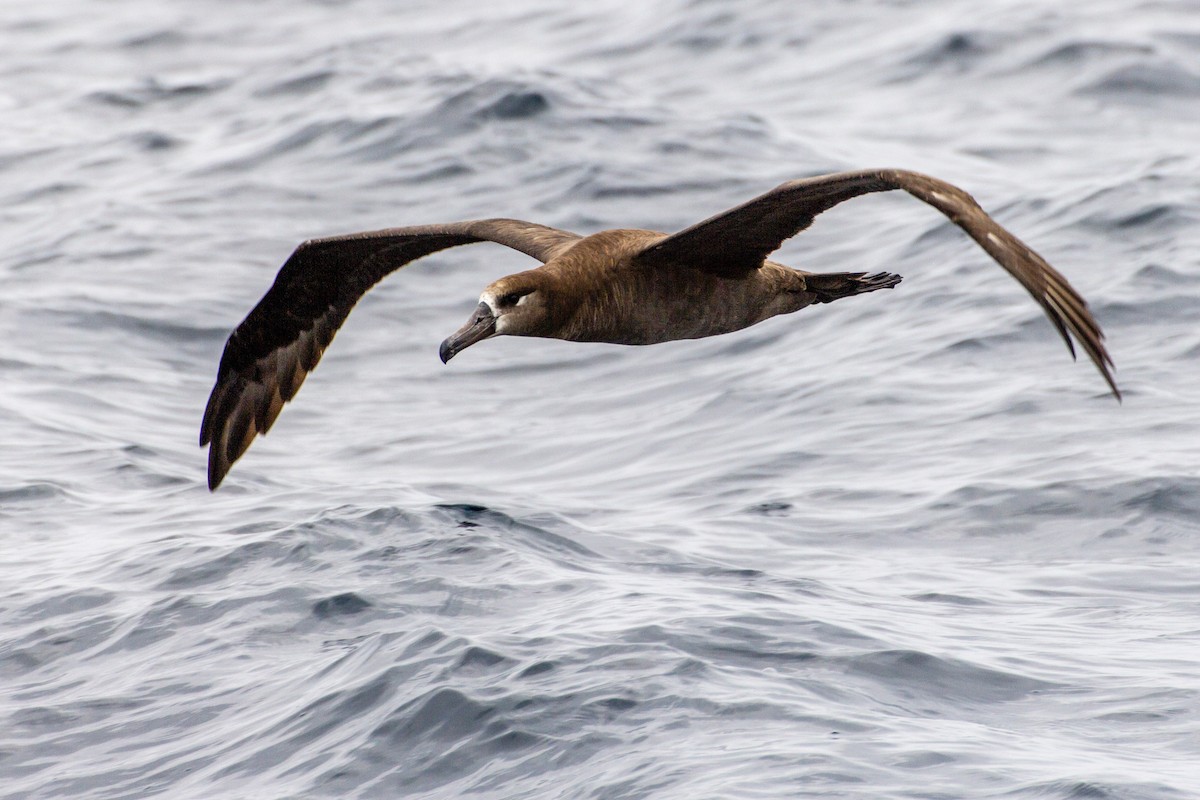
[[737, 241], [270, 353]]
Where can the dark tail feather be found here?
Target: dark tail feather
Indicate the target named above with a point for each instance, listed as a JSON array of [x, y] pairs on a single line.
[[836, 285]]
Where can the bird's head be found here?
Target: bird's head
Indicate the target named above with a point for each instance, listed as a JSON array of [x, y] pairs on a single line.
[[519, 305]]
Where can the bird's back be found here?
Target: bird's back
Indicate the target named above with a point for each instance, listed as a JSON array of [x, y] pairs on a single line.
[[616, 299]]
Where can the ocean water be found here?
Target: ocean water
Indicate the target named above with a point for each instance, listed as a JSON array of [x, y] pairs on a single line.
[[897, 546]]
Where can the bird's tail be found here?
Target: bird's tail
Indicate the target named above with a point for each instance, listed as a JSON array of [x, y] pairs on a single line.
[[832, 286]]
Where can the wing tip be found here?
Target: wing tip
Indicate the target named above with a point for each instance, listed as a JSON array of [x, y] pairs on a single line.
[[1112, 384], [214, 479], [218, 463], [1096, 352]]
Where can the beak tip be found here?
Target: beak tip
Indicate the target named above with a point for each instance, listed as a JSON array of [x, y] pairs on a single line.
[[480, 326]]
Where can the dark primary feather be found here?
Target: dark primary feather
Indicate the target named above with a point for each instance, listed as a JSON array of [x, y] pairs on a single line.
[[271, 352], [737, 241]]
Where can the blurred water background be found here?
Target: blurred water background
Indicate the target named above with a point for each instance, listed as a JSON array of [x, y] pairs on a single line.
[[899, 546]]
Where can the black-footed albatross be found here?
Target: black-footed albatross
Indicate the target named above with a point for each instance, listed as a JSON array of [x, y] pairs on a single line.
[[619, 286]]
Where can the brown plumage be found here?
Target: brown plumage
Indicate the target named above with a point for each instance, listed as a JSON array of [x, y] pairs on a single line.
[[619, 286]]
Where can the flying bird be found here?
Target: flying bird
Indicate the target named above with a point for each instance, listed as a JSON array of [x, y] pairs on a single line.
[[622, 286]]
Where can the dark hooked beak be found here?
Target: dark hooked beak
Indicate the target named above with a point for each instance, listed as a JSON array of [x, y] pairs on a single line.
[[480, 326]]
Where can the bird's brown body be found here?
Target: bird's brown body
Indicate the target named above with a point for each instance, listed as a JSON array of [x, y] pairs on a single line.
[[602, 295], [622, 286]]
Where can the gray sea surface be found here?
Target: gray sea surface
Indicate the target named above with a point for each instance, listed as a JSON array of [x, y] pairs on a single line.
[[899, 546]]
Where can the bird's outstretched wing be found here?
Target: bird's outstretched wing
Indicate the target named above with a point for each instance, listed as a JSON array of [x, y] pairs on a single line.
[[281, 340], [737, 241]]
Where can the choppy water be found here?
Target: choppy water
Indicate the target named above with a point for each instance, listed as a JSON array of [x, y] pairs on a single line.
[[896, 547]]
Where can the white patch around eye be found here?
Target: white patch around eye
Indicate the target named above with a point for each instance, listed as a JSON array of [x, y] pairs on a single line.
[[487, 299], [521, 300]]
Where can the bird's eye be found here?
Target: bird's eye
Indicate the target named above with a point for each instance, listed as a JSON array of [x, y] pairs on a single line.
[[510, 299]]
